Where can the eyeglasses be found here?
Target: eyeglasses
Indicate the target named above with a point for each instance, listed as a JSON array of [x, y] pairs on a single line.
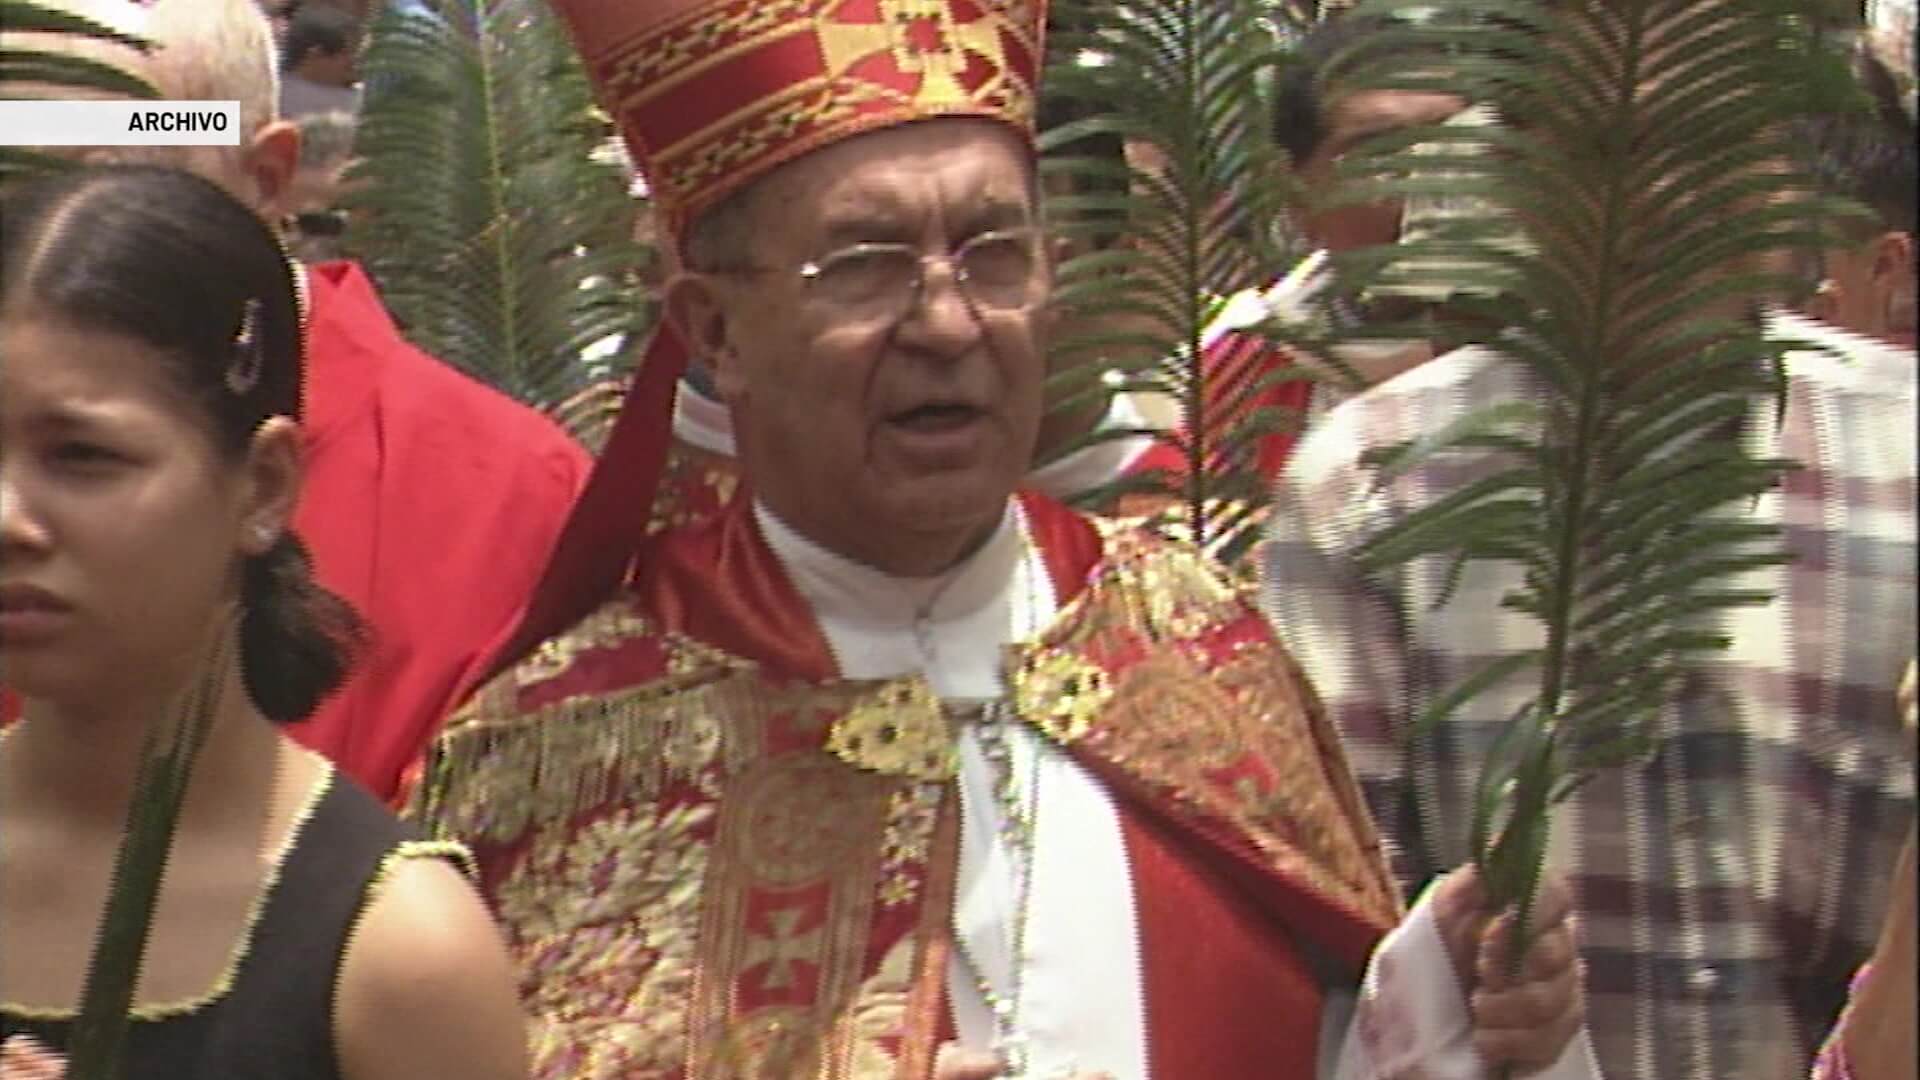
[[994, 271]]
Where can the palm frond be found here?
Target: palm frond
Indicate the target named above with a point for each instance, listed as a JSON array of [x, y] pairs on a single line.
[[1641, 166], [1177, 81], [501, 243], [55, 72], [97, 1045]]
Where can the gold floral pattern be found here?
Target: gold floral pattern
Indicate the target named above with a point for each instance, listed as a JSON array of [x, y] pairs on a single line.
[[1235, 743], [694, 487], [912, 815], [603, 922], [1061, 693], [897, 729], [700, 872], [779, 1042]]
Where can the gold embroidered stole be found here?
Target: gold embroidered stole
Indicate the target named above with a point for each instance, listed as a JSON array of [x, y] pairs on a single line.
[[713, 872]]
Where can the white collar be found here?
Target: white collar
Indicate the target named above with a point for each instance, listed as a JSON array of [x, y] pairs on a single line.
[[701, 421], [1851, 347], [842, 590]]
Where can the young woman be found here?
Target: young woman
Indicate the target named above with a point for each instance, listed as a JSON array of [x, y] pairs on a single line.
[[149, 462]]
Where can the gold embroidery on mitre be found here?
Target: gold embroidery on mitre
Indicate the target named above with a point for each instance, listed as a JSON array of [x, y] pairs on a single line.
[[700, 162], [651, 65], [923, 39], [1061, 693], [897, 729]]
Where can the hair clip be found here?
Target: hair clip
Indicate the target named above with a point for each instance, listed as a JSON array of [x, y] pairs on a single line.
[[243, 372]]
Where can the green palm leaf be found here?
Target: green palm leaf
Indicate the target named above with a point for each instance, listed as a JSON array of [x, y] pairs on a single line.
[[1647, 177], [53, 73], [1178, 78], [96, 1048], [499, 239]]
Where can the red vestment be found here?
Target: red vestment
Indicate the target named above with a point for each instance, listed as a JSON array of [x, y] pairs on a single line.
[[430, 504], [1235, 367], [713, 857]]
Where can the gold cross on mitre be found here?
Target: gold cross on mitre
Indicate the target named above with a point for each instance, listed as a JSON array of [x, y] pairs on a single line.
[[923, 38]]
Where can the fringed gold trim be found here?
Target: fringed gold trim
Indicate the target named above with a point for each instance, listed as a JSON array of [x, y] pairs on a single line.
[[242, 947], [490, 782]]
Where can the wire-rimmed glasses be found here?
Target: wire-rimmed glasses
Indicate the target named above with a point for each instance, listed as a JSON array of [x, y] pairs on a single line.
[[995, 271]]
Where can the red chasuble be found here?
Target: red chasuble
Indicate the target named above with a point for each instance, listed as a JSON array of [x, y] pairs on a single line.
[[431, 502], [713, 858]]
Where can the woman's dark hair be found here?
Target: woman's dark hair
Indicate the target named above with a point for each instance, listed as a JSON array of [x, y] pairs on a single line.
[[1299, 105], [1867, 154], [168, 259]]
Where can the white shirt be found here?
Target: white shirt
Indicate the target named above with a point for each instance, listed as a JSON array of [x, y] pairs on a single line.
[[1081, 1004], [301, 97]]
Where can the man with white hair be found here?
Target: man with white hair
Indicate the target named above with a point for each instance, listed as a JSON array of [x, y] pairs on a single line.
[[431, 500]]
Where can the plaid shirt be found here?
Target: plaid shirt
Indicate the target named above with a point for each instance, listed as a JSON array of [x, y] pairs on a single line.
[[1729, 886]]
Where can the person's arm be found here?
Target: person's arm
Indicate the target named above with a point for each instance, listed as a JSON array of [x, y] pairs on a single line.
[[1875, 1038], [1438, 1003], [426, 988], [1854, 785], [21, 1058]]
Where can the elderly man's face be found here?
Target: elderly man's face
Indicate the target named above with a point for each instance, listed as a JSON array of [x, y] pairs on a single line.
[[890, 432]]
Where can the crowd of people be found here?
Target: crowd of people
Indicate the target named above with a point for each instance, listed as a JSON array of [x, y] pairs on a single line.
[[805, 732]]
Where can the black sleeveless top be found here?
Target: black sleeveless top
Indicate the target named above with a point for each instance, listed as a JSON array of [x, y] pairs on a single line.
[[272, 1016]]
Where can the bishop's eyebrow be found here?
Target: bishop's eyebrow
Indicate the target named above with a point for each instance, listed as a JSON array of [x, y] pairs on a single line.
[[884, 220], [994, 213], [869, 228]]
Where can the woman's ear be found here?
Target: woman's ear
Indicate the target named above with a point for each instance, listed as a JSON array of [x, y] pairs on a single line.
[[1894, 283], [272, 485]]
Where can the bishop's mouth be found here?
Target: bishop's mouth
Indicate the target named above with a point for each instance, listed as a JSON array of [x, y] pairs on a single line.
[[937, 417]]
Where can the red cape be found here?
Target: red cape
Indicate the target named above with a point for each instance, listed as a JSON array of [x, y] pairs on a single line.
[[431, 502]]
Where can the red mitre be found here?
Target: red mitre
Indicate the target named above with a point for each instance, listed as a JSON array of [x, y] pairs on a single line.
[[711, 95]]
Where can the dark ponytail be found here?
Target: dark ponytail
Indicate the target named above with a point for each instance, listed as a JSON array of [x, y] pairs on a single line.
[[167, 258], [297, 640]]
